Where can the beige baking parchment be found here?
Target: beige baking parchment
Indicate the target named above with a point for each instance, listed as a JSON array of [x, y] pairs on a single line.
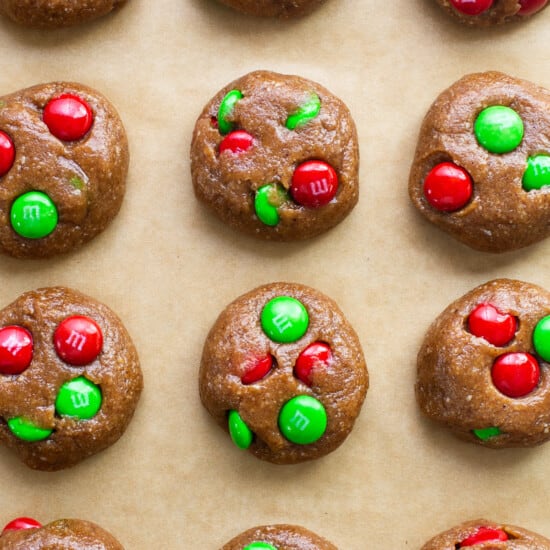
[[167, 267]]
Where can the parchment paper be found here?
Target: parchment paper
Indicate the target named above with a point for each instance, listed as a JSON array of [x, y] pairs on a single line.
[[167, 267]]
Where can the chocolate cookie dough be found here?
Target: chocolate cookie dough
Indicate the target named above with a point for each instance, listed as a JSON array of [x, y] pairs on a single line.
[[63, 534], [69, 377], [487, 535], [278, 537], [483, 366], [274, 8], [276, 156], [483, 13], [482, 166], [63, 166], [283, 371], [56, 13]]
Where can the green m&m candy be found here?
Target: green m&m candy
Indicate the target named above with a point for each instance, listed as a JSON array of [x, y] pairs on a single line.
[[260, 546], [79, 398], [537, 174], [303, 420], [27, 431], [284, 319], [267, 202], [306, 112], [240, 433], [498, 129], [226, 108], [487, 433], [541, 338], [33, 215]]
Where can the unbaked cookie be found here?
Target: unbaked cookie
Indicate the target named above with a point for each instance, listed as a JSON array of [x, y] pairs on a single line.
[[276, 156], [488, 535], [278, 537], [63, 166], [283, 371], [69, 377], [274, 8], [63, 534], [56, 13], [483, 366], [482, 166], [483, 13]]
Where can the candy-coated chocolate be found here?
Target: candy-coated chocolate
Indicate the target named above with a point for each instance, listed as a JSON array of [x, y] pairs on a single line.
[[267, 202], [68, 117], [26, 430], [315, 356], [472, 7], [226, 109], [498, 129], [33, 215], [256, 368], [487, 322], [306, 112], [537, 174], [7, 153], [78, 340], [314, 184], [516, 374], [484, 534], [448, 187], [303, 420], [19, 524], [541, 338], [237, 141], [79, 398], [240, 433], [284, 319], [528, 7], [487, 433], [16, 349], [259, 546]]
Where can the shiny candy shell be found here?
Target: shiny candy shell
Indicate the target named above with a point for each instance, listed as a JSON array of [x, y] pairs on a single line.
[[7, 153], [541, 338], [79, 398], [16, 349], [33, 215], [78, 340], [306, 112], [267, 202], [484, 534], [314, 184], [256, 545], [472, 7], [487, 322], [256, 368], [315, 356], [516, 374], [237, 141], [499, 129], [19, 524], [448, 187], [284, 319], [225, 110], [303, 420], [487, 433], [529, 7], [27, 431], [68, 117], [239, 431], [537, 173]]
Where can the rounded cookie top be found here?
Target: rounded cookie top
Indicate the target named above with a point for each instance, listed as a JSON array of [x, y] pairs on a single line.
[[278, 537], [274, 8], [283, 371], [63, 534], [276, 156], [483, 13], [489, 535], [63, 166], [56, 13], [483, 366], [69, 377], [481, 171]]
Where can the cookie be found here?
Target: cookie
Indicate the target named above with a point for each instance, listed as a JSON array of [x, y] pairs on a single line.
[[283, 371], [483, 13], [481, 171], [69, 378], [276, 157], [483, 366], [63, 534], [278, 537], [56, 13], [488, 535], [63, 166], [274, 8]]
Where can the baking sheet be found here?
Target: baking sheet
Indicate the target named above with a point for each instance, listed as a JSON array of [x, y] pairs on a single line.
[[167, 267]]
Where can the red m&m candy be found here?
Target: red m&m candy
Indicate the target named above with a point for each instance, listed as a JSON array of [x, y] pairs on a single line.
[[528, 7], [316, 355], [314, 184], [7, 153], [68, 117], [236, 142], [487, 322], [16, 349], [78, 340], [516, 374], [484, 534], [19, 524], [256, 368], [472, 7], [448, 187]]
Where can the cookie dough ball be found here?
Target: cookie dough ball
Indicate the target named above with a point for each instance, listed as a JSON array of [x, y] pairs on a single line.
[[278, 537], [482, 166], [56, 13], [69, 377], [487, 534], [274, 8], [276, 156], [483, 13], [483, 366], [63, 166], [283, 371], [63, 534]]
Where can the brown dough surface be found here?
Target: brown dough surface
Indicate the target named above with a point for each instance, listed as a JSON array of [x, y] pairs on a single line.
[[518, 538], [227, 182], [501, 215], [237, 336], [502, 11], [272, 8], [283, 537], [86, 179], [56, 13], [63, 534], [454, 384], [32, 393]]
